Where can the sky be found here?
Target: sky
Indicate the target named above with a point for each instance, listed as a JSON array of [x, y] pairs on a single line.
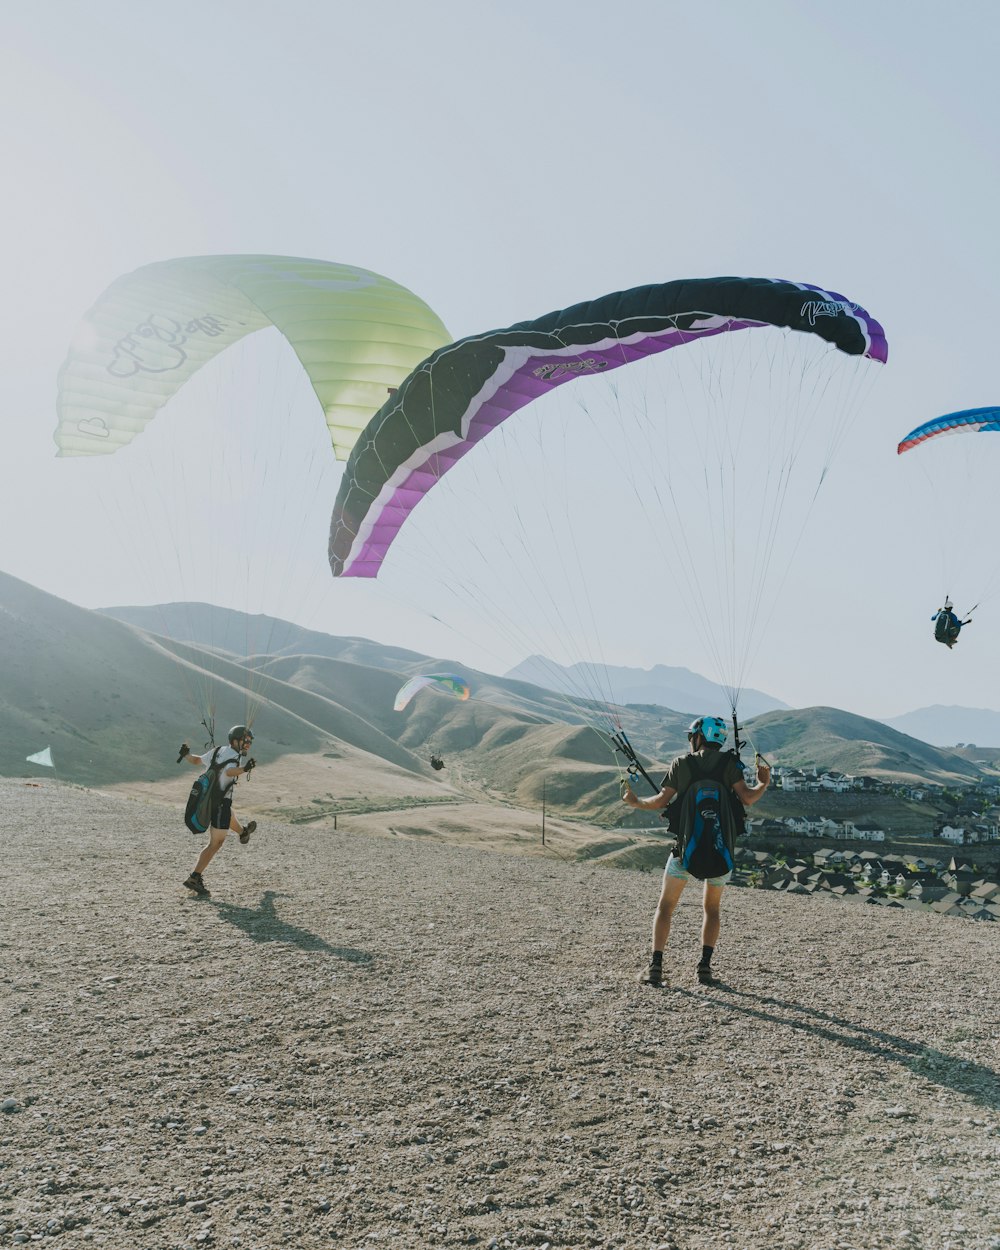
[[504, 160]]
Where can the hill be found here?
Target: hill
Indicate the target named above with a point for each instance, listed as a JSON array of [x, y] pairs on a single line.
[[241, 634], [113, 701], [820, 737], [362, 1041], [513, 740], [826, 737]]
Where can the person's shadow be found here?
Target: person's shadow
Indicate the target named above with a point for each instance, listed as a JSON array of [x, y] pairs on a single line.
[[263, 924], [964, 1076]]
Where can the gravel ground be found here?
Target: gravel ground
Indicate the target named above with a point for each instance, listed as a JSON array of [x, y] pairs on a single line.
[[361, 1041]]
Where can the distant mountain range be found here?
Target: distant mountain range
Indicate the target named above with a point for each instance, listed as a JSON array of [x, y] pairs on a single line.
[[688, 692], [945, 726], [676, 688], [112, 700]]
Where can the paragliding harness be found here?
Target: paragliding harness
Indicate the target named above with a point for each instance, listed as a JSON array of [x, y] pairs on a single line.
[[437, 763], [947, 626], [707, 818], [205, 796]]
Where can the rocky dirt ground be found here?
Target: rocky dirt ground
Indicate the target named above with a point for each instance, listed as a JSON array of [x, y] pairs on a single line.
[[362, 1041]]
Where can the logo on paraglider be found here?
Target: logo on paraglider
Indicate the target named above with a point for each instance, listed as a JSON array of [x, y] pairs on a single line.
[[156, 344], [556, 373], [814, 308], [94, 427]]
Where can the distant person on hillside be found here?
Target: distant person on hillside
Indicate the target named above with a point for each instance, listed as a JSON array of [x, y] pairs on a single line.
[[947, 626], [705, 794], [228, 761]]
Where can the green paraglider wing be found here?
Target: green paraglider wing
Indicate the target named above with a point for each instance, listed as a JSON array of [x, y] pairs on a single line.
[[357, 334]]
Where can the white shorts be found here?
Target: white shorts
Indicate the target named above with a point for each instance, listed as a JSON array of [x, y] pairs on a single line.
[[676, 869]]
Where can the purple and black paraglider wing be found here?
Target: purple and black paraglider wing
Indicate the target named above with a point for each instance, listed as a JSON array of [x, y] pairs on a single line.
[[459, 394]]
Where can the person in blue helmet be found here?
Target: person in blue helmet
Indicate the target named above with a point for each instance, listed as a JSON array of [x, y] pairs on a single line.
[[705, 760], [947, 626]]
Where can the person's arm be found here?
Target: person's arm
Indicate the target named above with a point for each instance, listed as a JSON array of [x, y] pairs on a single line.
[[654, 803], [239, 771], [749, 795], [197, 760]]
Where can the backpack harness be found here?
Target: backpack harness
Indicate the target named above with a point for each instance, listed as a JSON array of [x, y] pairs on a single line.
[[205, 796], [706, 818]]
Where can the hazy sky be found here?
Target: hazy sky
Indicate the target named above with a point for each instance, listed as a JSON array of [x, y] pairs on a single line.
[[503, 160]]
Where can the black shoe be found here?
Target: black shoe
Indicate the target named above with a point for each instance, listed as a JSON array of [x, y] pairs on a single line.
[[705, 974], [246, 831], [652, 976], [195, 883]]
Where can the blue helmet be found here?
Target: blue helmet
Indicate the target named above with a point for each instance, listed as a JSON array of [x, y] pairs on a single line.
[[711, 728]]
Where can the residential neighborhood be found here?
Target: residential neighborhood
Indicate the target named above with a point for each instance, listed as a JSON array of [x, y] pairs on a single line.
[[953, 888], [972, 816]]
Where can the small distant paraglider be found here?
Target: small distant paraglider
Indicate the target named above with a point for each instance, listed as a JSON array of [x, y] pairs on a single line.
[[447, 683], [437, 763], [947, 626]]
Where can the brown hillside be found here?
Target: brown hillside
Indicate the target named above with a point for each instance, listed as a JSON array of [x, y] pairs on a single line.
[[826, 737]]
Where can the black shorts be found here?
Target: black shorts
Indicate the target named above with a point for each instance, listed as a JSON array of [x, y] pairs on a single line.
[[223, 814]]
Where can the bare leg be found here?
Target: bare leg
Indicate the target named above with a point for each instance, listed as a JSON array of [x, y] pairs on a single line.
[[669, 896], [216, 837], [712, 903]]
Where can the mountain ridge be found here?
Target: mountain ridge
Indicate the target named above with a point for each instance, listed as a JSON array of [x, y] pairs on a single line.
[[113, 701], [948, 725], [679, 689]]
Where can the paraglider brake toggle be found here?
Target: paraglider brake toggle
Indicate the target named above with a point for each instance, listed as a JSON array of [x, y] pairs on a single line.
[[633, 767]]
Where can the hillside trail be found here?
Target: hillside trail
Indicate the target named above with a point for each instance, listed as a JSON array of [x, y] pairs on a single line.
[[361, 1041]]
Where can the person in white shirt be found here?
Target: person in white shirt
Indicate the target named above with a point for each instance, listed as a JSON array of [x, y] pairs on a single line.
[[223, 821]]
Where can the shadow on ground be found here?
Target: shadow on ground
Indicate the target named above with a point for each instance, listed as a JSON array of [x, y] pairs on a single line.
[[964, 1076], [263, 924]]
